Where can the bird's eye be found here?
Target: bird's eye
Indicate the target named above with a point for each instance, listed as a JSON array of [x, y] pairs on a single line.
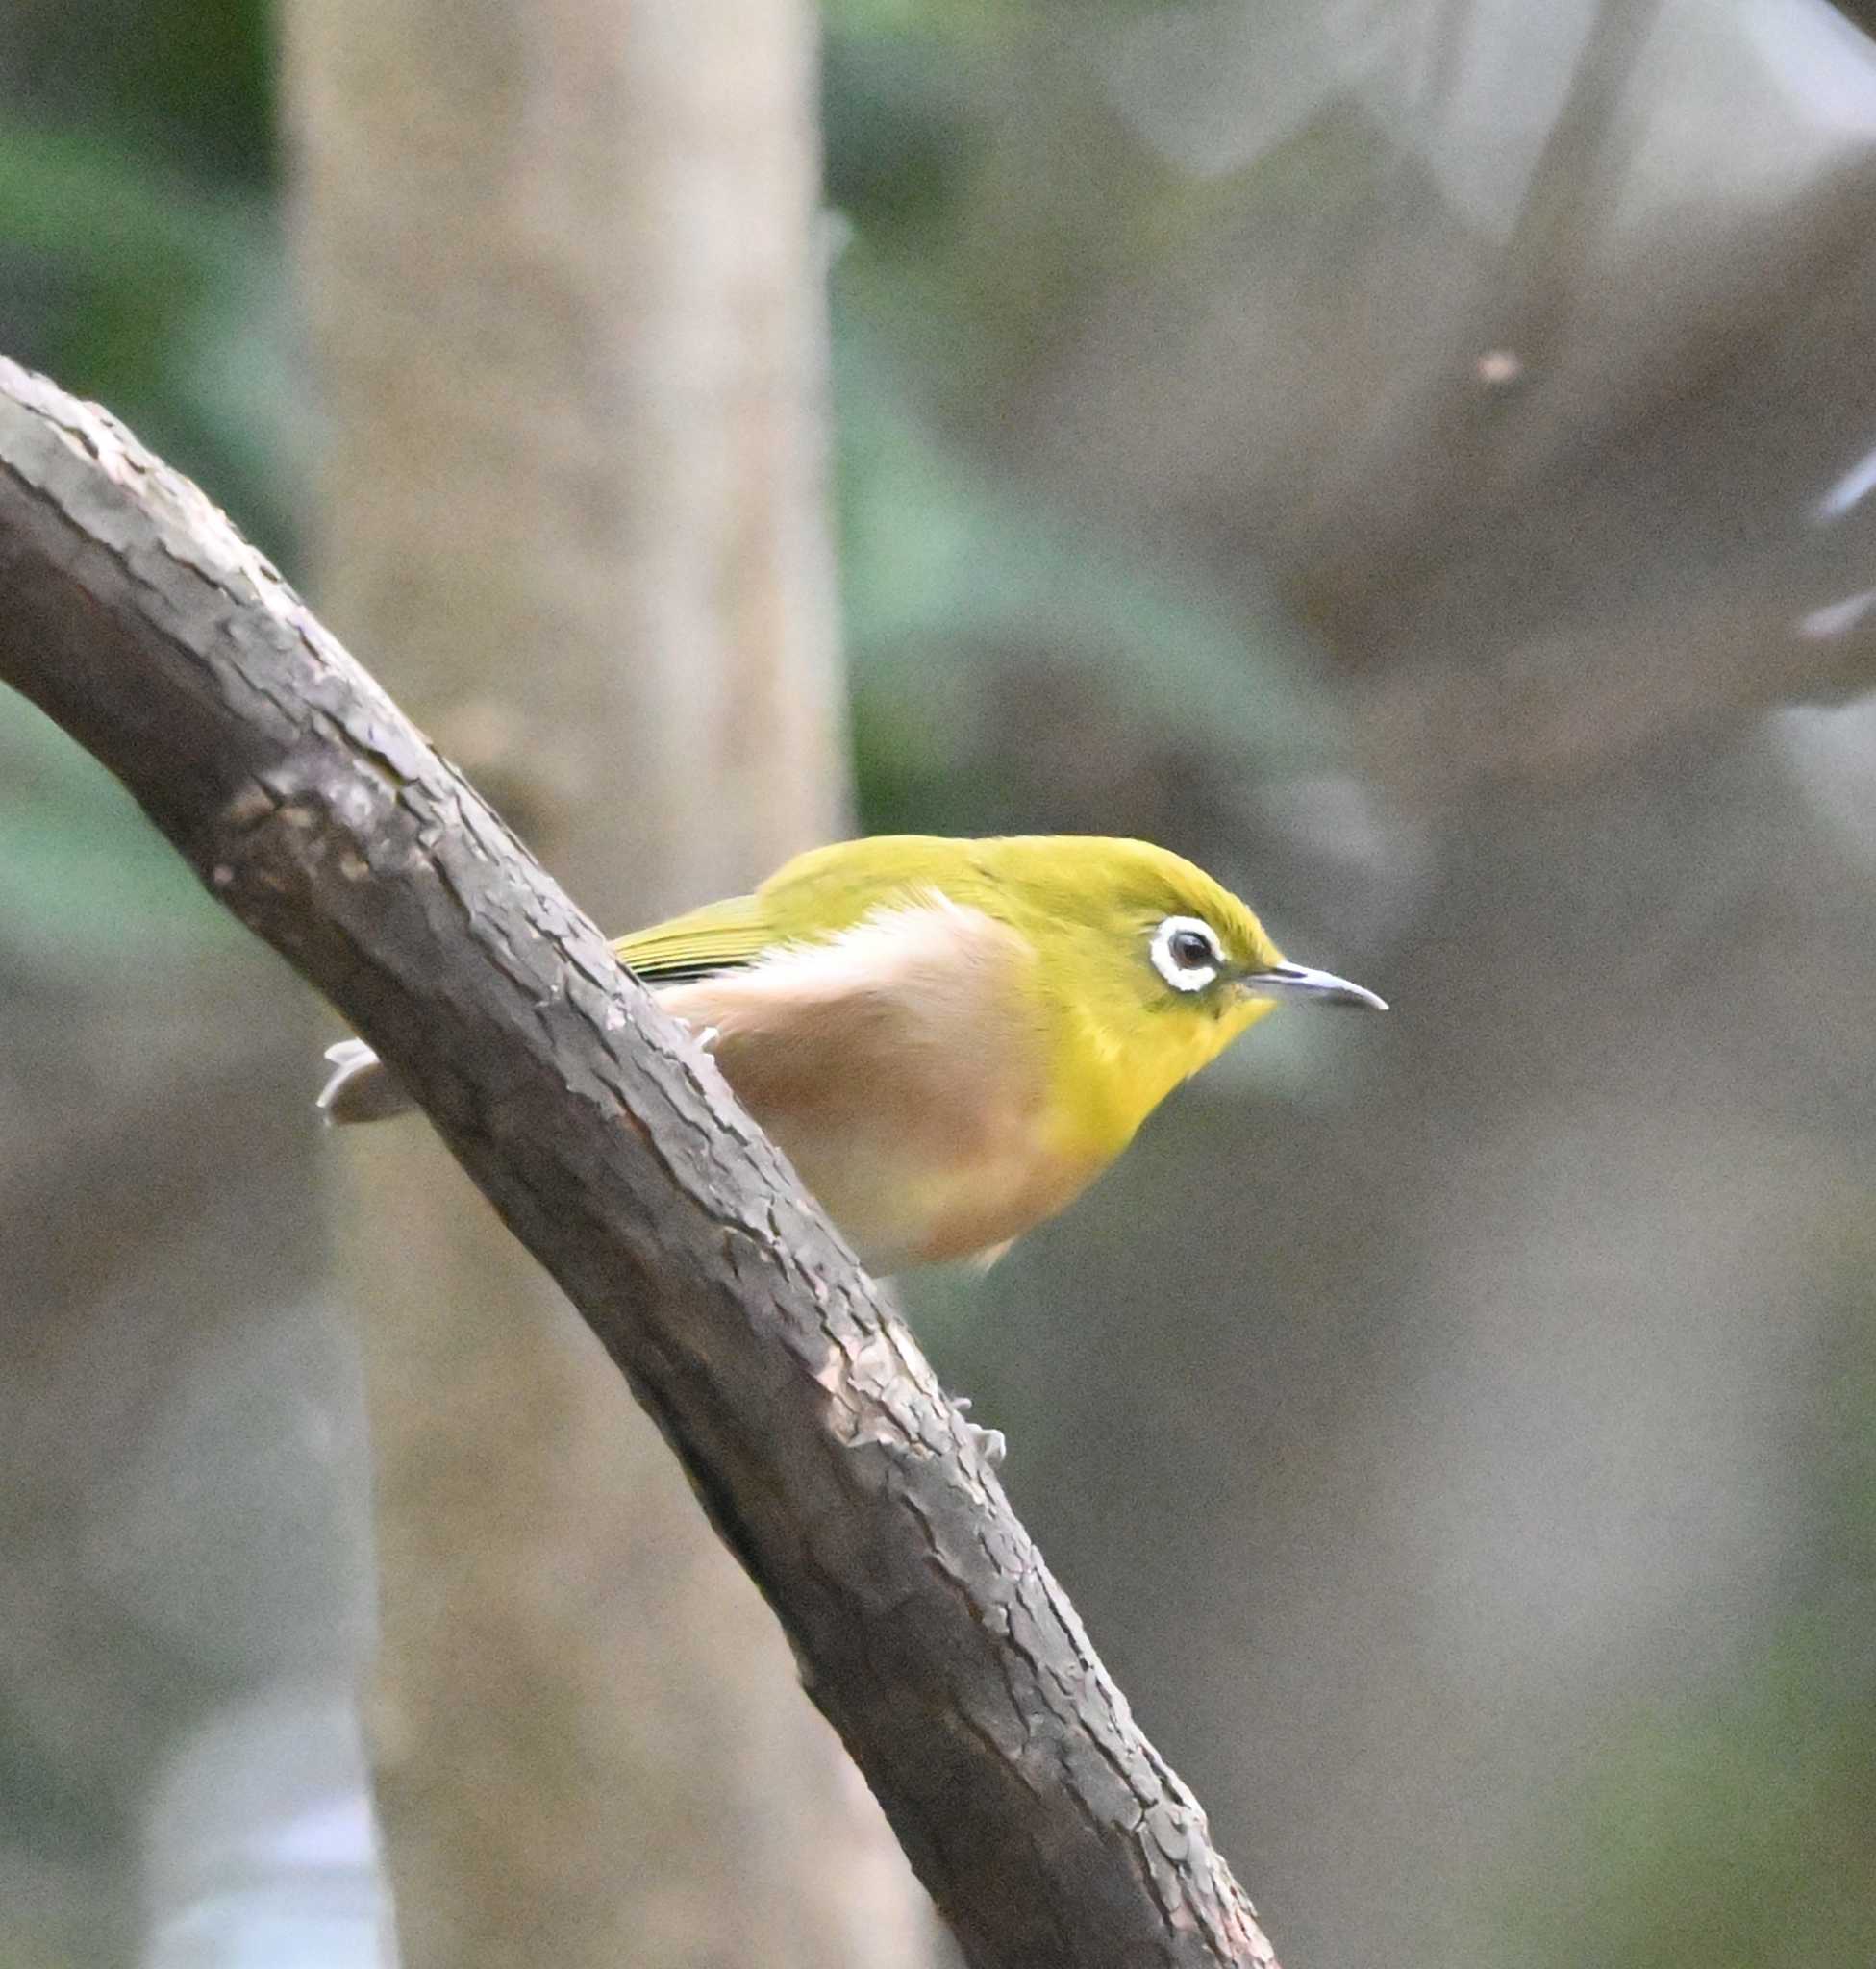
[[1187, 954]]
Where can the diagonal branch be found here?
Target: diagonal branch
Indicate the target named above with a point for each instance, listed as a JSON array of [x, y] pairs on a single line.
[[928, 1628]]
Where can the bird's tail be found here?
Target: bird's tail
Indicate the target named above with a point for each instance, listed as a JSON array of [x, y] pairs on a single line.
[[361, 1086]]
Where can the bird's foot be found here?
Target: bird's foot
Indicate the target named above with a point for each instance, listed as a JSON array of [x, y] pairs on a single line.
[[991, 1444]]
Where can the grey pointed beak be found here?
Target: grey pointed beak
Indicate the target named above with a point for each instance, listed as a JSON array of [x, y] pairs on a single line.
[[1324, 987]]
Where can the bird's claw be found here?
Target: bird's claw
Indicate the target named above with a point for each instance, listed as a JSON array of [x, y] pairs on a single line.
[[991, 1443]]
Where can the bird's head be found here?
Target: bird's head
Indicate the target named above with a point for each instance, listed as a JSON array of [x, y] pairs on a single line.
[[1158, 966]]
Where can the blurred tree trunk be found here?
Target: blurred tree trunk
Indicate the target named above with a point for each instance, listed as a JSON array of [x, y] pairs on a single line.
[[564, 288]]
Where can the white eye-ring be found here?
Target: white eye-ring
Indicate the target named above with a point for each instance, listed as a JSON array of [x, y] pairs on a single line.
[[1186, 953]]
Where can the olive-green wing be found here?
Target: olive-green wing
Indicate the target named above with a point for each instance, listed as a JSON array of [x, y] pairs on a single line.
[[717, 937], [816, 895]]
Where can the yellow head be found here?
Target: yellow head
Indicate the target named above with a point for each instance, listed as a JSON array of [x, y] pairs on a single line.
[[1148, 967]]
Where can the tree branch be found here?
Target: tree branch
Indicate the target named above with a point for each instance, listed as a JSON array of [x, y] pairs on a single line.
[[928, 1628]]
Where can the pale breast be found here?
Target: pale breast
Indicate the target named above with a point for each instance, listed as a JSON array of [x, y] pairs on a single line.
[[902, 1067]]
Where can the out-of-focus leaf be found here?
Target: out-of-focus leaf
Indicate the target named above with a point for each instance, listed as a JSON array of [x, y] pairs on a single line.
[[186, 82], [925, 19], [84, 876], [895, 124], [950, 566], [134, 285], [164, 300]]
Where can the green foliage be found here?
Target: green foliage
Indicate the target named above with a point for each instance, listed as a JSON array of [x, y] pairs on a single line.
[[84, 879], [160, 297], [936, 23], [141, 267], [953, 567], [983, 601], [896, 127], [185, 84]]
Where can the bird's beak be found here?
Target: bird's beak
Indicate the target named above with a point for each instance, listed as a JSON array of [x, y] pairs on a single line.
[[1298, 981]]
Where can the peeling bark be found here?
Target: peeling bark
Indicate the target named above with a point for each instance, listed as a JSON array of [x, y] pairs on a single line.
[[928, 1628]]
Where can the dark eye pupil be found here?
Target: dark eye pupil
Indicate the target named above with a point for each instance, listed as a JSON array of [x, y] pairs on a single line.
[[1190, 951]]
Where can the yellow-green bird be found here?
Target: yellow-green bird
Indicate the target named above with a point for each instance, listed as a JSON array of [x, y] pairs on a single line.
[[950, 1039]]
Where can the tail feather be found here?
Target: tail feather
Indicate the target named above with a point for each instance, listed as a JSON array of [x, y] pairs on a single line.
[[361, 1086]]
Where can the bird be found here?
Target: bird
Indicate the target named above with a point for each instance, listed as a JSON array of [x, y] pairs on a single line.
[[950, 1038]]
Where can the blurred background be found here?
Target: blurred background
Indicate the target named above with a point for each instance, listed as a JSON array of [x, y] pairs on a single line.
[[1418, 460]]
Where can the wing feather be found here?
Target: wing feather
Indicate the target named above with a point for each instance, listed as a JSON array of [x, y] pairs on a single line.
[[719, 936]]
